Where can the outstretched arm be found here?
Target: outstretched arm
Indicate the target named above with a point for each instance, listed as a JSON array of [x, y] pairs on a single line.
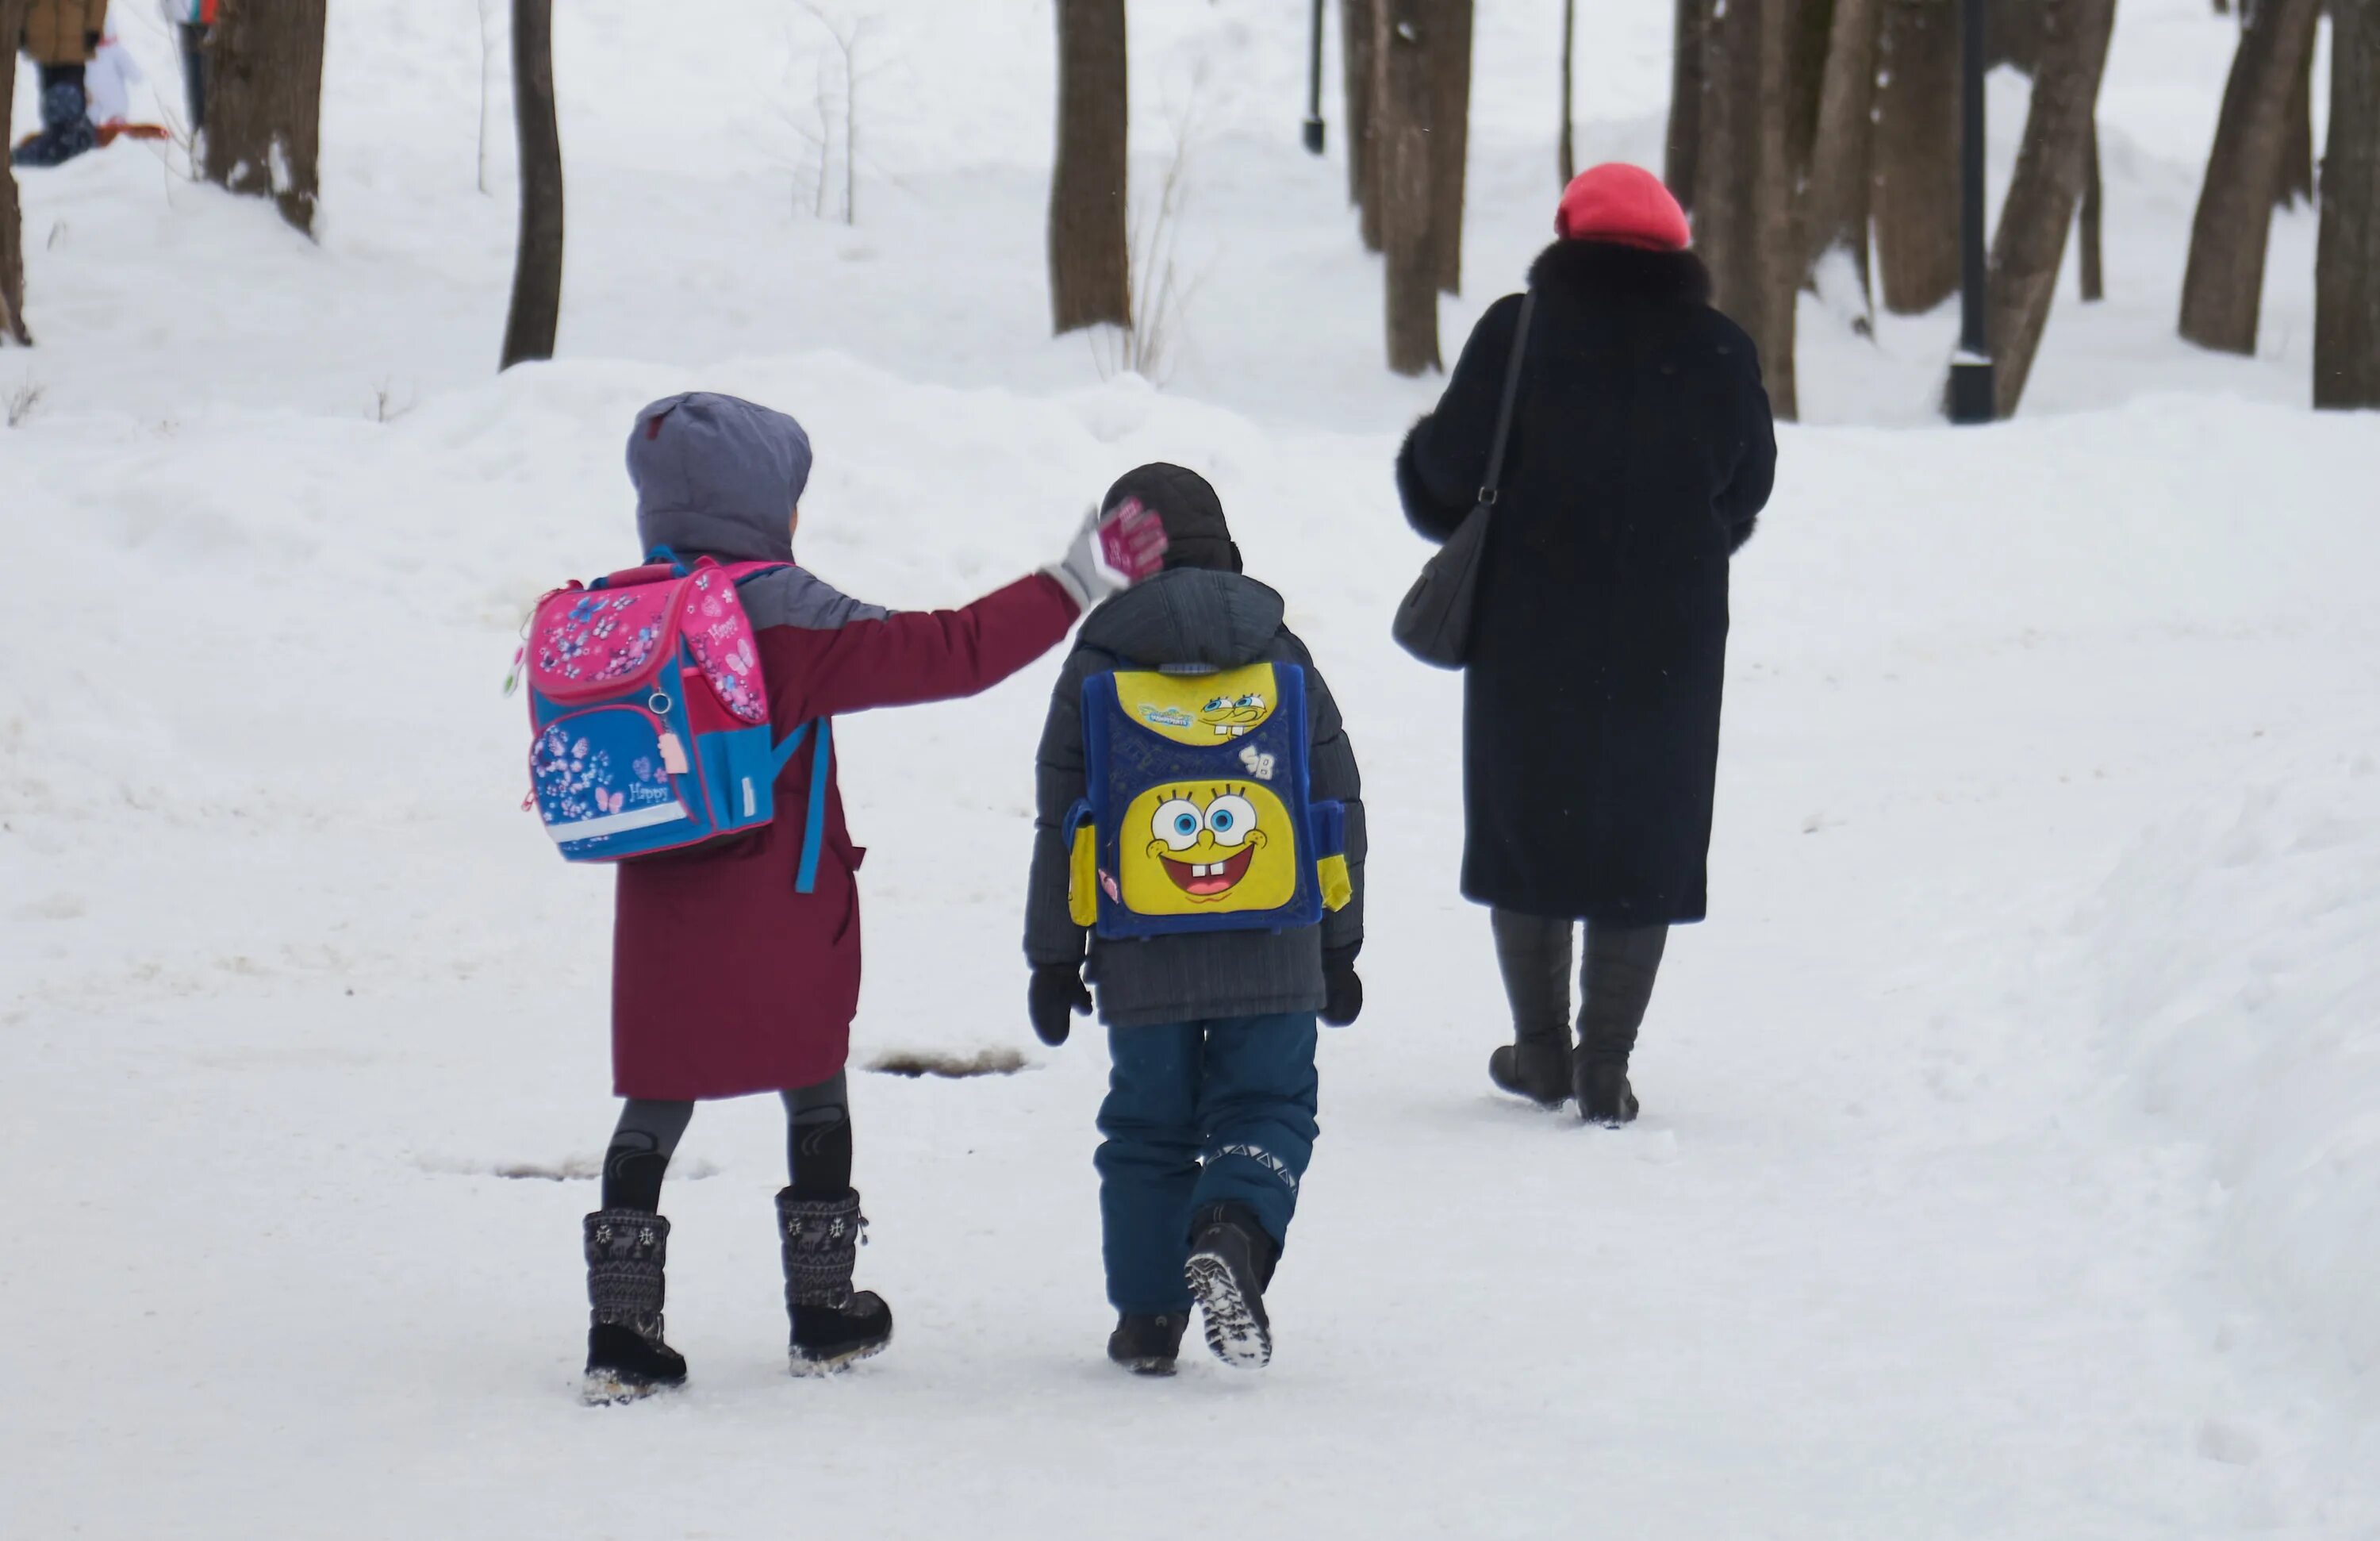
[[902, 659]]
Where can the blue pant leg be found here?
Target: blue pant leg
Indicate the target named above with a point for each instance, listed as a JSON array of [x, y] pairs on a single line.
[[1148, 1164], [1255, 1107]]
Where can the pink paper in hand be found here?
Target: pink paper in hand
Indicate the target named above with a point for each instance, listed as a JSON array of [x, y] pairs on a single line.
[[1133, 541]]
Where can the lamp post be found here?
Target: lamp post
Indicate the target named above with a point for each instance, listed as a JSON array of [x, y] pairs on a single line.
[[1313, 86], [1972, 385]]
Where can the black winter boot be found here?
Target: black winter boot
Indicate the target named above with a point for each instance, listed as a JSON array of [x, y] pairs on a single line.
[[1538, 1071], [628, 1251], [66, 129], [1604, 1094], [1147, 1345], [833, 1325], [1232, 1261]]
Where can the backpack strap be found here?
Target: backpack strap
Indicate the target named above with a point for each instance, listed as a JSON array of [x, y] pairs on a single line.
[[814, 821], [1512, 399]]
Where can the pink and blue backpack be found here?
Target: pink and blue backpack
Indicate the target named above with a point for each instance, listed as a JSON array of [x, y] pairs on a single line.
[[652, 717]]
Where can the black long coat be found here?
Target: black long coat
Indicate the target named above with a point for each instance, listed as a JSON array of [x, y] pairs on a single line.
[[1641, 452]]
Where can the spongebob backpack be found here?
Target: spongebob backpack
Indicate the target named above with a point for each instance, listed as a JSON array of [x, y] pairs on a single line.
[[1199, 816]]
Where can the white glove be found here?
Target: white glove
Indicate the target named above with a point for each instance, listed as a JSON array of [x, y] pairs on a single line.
[[1111, 552]]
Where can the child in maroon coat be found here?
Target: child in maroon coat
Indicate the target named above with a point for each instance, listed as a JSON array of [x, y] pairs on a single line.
[[727, 981]]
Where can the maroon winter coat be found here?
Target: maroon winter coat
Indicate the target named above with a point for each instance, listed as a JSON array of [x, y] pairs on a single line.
[[724, 980]]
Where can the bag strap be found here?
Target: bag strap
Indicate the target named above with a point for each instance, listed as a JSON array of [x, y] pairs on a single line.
[[814, 822], [1512, 399]]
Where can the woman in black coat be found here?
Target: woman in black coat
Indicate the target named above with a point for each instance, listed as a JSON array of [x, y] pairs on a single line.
[[1641, 454]]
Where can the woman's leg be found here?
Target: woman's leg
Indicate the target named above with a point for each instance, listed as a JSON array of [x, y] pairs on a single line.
[[1533, 954], [819, 1219], [1617, 984], [642, 1147]]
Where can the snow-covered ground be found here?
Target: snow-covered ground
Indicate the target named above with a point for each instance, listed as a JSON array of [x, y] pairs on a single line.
[[2011, 1166]]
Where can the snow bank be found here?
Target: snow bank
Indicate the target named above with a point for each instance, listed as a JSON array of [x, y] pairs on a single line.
[[2239, 948]]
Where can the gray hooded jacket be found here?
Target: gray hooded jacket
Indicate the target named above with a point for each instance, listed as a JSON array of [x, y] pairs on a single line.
[[719, 476], [1197, 616]]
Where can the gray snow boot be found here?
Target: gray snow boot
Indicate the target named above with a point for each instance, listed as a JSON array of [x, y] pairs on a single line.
[[1536, 1069], [626, 1252], [66, 129], [833, 1325]]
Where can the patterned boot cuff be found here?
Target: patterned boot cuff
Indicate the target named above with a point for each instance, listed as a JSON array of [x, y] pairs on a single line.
[[822, 1239], [626, 1251]]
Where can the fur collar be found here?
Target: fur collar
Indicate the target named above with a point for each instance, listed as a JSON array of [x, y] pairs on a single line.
[[1601, 269]]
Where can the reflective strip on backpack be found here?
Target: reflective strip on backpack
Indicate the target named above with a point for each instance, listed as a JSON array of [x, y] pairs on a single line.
[[615, 823]]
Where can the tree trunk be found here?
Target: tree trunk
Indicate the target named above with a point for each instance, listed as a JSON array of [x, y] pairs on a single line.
[[1568, 154], [264, 103], [1810, 27], [1835, 202], [1917, 155], [2094, 256], [1450, 138], [1745, 212], [2223, 287], [1090, 246], [535, 313], [1682, 156], [1357, 23], [1402, 101], [2347, 277], [2031, 244], [2297, 160], [12, 230]]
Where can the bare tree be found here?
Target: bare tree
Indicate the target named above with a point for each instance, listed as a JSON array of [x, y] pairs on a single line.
[[2091, 228], [263, 131], [1358, 23], [2031, 244], [2223, 287], [1090, 245], [1567, 154], [1450, 137], [2297, 161], [536, 312], [1402, 101], [1835, 201], [12, 228], [1744, 184], [1681, 154], [1917, 155], [2346, 276]]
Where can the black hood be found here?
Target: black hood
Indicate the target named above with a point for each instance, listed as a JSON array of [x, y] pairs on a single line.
[[1609, 269], [1188, 615]]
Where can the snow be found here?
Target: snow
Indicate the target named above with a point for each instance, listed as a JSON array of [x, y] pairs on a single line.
[[2010, 1166]]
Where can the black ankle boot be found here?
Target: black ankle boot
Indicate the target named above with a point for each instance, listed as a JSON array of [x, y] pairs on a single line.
[[1231, 1260], [66, 129], [1147, 1345], [1538, 1071], [1604, 1094], [628, 1251], [833, 1325]]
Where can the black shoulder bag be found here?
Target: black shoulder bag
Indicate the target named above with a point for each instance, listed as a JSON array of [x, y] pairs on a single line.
[[1435, 620]]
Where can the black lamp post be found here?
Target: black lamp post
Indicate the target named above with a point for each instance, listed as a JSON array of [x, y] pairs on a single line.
[[1972, 385], [1313, 86]]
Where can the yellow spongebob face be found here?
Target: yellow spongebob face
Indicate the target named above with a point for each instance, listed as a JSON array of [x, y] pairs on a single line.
[[1193, 848], [1229, 715]]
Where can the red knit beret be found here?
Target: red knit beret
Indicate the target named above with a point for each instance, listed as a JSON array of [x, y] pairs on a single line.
[[1615, 201]]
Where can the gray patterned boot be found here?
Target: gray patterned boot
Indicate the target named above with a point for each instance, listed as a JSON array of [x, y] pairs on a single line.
[[66, 129], [833, 1325], [626, 1252]]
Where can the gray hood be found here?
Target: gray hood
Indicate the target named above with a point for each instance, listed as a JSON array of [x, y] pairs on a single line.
[[1188, 615], [718, 476]]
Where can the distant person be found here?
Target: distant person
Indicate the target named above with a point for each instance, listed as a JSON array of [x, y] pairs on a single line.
[[195, 26], [1199, 841], [62, 36], [1641, 454], [736, 970]]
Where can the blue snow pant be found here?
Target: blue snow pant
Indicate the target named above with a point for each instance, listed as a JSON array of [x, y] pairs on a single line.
[[1199, 1113]]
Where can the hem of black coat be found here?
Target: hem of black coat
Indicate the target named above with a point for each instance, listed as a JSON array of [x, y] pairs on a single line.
[[1593, 915], [1213, 1011]]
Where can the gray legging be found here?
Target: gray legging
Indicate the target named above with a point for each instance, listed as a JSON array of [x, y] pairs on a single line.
[[817, 1145], [1616, 981]]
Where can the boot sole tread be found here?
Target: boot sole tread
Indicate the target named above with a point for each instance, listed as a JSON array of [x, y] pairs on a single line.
[[1233, 1333]]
